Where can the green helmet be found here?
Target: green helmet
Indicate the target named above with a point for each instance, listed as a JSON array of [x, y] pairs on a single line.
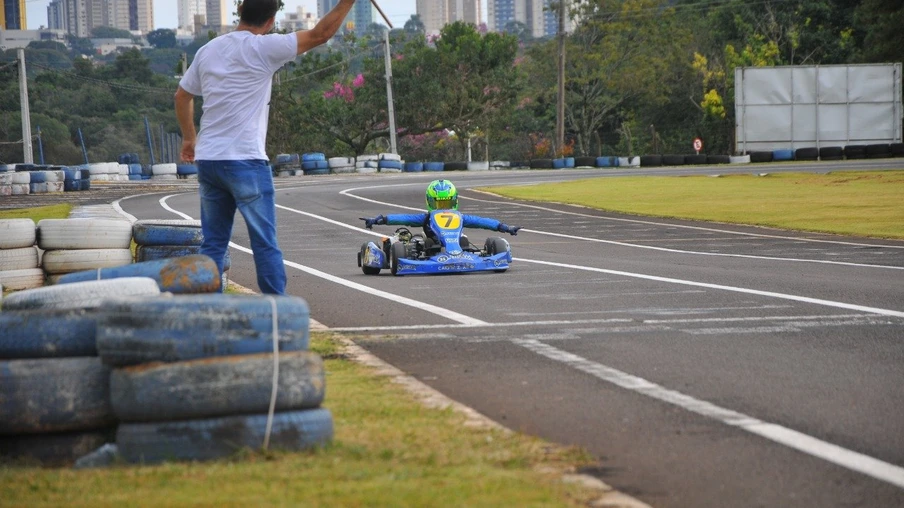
[[441, 195]]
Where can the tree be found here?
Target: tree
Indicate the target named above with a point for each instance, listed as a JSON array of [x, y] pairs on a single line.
[[881, 22], [131, 64], [415, 25], [162, 38], [108, 32], [80, 45]]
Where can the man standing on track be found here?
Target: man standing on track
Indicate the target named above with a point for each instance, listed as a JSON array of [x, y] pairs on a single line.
[[234, 73]]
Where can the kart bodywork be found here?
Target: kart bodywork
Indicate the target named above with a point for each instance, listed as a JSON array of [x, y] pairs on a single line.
[[412, 254]]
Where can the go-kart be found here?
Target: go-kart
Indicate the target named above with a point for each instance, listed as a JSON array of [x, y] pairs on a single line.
[[408, 254]]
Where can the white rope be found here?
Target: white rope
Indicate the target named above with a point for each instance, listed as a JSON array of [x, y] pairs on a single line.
[[275, 372]]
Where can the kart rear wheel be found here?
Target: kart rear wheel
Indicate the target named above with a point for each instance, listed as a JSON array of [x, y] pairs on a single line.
[[368, 270], [398, 251]]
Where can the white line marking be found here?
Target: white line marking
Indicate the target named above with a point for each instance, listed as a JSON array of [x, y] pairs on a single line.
[[791, 438], [827, 451], [439, 311], [682, 226], [770, 294], [349, 193]]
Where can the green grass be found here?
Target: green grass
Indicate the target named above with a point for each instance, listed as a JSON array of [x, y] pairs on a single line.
[[857, 203], [38, 213], [388, 450]]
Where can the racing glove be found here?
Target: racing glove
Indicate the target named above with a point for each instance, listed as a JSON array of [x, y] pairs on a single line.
[[512, 230], [378, 220]]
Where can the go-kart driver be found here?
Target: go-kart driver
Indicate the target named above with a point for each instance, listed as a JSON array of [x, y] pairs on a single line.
[[441, 195]]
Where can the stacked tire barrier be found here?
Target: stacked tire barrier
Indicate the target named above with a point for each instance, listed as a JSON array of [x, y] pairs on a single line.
[[390, 163], [75, 245], [314, 164], [187, 171], [168, 171], [367, 164], [195, 377], [160, 240], [19, 256], [341, 165], [287, 164], [56, 391]]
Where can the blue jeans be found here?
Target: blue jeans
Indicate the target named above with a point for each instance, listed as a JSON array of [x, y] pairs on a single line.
[[248, 186]]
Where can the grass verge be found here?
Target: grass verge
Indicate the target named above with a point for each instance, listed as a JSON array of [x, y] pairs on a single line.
[[860, 203], [389, 450], [38, 213]]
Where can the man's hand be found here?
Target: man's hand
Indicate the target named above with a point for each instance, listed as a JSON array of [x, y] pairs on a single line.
[[512, 230], [369, 223], [188, 150]]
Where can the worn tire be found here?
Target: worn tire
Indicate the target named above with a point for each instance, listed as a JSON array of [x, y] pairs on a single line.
[[47, 334], [761, 156], [695, 159], [189, 274], [178, 328], [17, 233], [54, 395], [368, 270], [76, 260], [167, 232], [673, 160], [213, 438], [22, 258], [80, 295], [54, 234], [806, 154], [224, 386]]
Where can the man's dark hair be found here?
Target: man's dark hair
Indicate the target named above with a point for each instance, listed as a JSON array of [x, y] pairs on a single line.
[[257, 12]]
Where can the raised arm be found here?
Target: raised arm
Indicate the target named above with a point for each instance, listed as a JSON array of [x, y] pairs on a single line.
[[325, 29]]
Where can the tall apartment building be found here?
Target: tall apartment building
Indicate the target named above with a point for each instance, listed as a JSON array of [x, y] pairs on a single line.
[[361, 16], [217, 13], [298, 20], [186, 10], [535, 14], [12, 17], [435, 14], [81, 17]]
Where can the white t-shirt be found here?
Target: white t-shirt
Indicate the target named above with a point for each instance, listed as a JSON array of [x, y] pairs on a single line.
[[233, 73]]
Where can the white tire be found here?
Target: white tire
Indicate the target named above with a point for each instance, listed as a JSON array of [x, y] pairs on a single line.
[[54, 176], [369, 157], [739, 159], [390, 157], [366, 170], [55, 234], [17, 233], [18, 259], [6, 178], [56, 186], [20, 189], [478, 166], [81, 295], [18, 280], [340, 161], [6, 190], [342, 169], [164, 169], [20, 178], [68, 261]]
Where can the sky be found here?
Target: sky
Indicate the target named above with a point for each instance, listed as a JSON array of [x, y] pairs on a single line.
[[398, 11]]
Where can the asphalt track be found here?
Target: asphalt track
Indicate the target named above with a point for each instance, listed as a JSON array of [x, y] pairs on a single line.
[[706, 365]]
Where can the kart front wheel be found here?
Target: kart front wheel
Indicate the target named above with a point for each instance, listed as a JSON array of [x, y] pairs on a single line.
[[368, 270], [397, 252], [496, 245]]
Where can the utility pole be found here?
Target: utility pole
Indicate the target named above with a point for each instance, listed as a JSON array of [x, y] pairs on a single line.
[[27, 155], [391, 108], [560, 106]]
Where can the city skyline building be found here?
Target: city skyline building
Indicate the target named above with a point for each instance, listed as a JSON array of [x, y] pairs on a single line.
[[435, 14], [12, 16], [358, 20], [536, 15], [186, 10]]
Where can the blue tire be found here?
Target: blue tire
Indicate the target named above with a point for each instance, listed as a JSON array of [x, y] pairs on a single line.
[[182, 275], [183, 232], [54, 395], [434, 166], [186, 169], [174, 329], [213, 387], [157, 252], [47, 334], [414, 167], [389, 165], [214, 438], [313, 157], [783, 155]]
